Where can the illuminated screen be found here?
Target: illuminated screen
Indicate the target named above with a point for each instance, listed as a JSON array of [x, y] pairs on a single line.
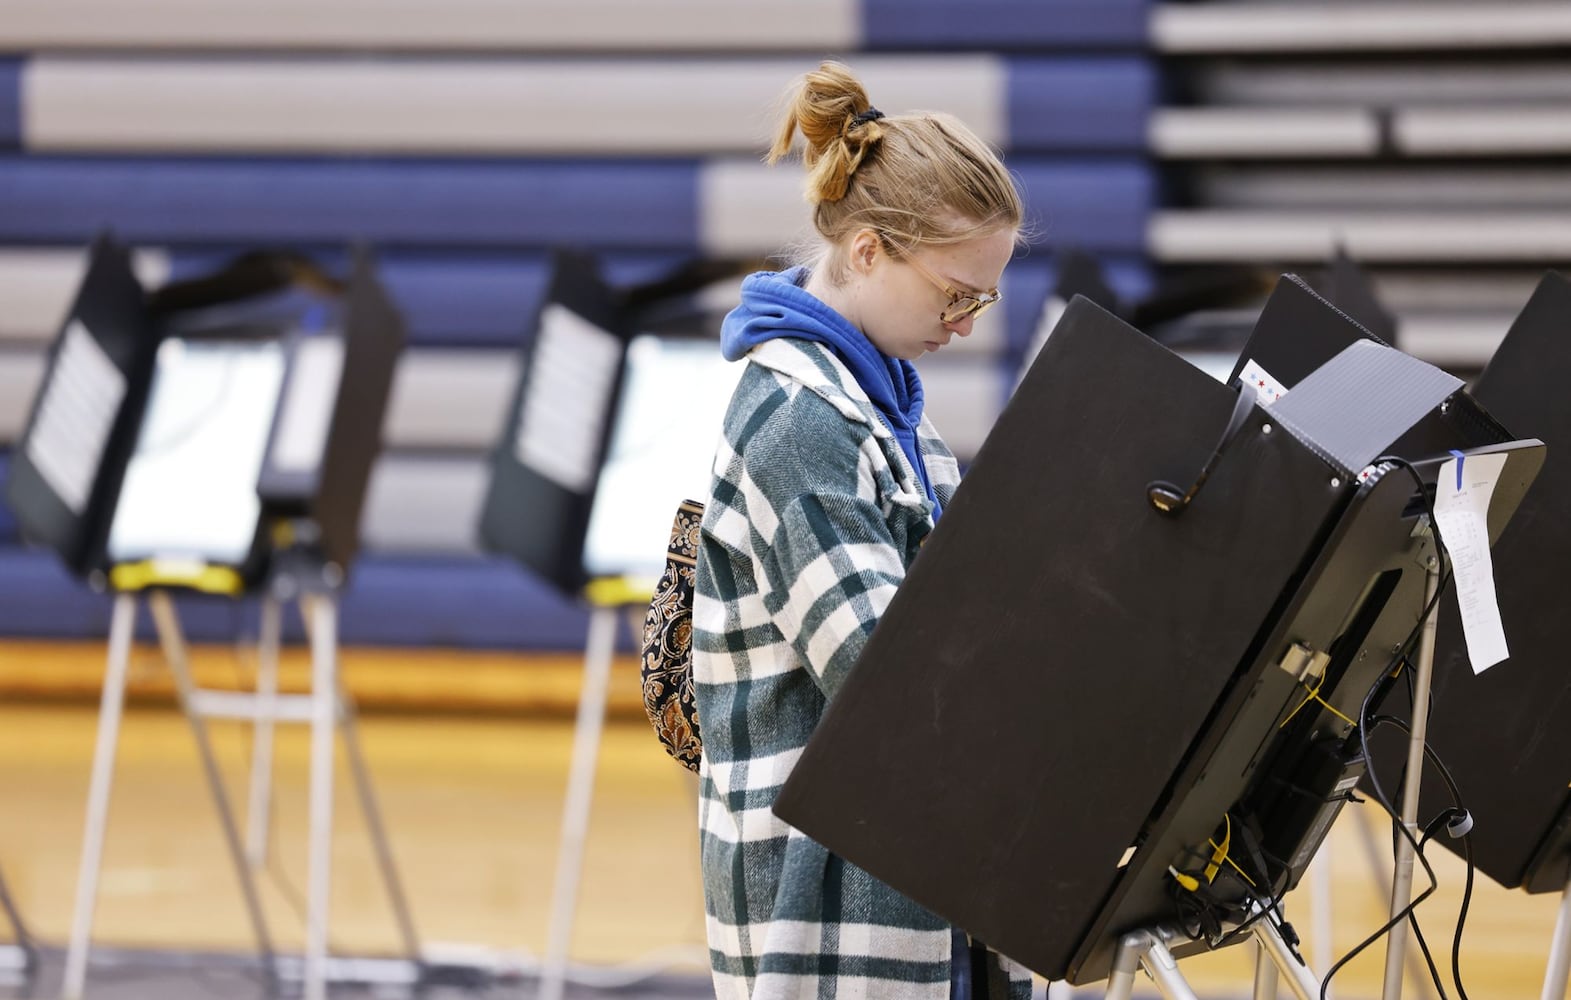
[[674, 397], [190, 489]]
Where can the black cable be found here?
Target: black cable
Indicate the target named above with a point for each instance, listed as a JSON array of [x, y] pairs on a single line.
[[1385, 803], [1467, 845], [1363, 739], [1461, 917], [1423, 943]]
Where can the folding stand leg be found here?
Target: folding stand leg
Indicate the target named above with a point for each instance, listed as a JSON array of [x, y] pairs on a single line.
[[1265, 974], [323, 614], [261, 794], [1147, 949], [1380, 878], [1299, 979], [173, 643], [1320, 910], [1555, 977], [1402, 878], [24, 941], [1126, 962], [373, 822], [580, 790], [112, 701]]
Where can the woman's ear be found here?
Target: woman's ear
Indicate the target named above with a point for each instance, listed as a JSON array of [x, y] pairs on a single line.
[[866, 248]]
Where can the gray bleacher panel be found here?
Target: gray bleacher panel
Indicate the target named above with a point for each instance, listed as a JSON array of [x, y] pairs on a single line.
[[37, 283], [1383, 187], [1429, 141], [21, 372], [441, 398], [589, 107], [1227, 27], [456, 401], [433, 26], [450, 399], [1379, 83], [1453, 290], [568, 25], [1221, 235], [1335, 133], [425, 504], [1296, 133], [964, 396]]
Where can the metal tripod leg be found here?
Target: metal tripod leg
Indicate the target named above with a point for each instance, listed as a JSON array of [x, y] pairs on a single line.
[[24, 941], [1147, 949], [1380, 878], [111, 703], [1321, 923], [1299, 979], [1559, 971], [1402, 877], [580, 790], [1265, 974], [373, 822], [261, 794], [322, 616], [173, 643]]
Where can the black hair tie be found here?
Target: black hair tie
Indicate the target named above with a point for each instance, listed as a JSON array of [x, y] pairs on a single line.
[[870, 115]]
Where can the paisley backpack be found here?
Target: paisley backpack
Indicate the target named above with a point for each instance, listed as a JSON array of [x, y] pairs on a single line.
[[666, 663]]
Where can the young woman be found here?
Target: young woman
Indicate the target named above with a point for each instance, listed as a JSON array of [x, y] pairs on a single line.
[[827, 480]]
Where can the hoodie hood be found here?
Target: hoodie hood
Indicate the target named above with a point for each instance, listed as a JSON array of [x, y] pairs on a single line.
[[774, 304]]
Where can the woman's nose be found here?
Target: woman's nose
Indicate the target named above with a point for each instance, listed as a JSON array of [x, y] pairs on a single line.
[[962, 326]]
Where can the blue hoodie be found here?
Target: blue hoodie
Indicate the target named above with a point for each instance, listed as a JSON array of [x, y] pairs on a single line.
[[774, 304]]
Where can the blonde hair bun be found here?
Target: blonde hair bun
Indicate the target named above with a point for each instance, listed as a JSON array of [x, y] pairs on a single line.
[[830, 109], [918, 179]]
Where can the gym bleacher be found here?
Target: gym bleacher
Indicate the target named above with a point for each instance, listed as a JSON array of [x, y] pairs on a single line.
[[464, 142]]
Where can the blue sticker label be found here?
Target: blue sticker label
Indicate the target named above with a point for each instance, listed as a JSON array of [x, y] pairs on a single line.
[[1460, 458]]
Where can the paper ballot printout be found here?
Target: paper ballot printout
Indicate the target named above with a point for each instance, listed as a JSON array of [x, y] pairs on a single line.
[[1462, 510]]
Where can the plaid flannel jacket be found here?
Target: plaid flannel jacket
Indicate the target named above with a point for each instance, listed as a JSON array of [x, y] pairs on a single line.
[[813, 517]]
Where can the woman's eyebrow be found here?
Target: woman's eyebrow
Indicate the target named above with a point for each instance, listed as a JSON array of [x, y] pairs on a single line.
[[961, 286]]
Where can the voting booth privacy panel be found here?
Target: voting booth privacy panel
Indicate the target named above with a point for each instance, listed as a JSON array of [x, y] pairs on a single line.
[[1503, 733], [1073, 691], [613, 423], [1499, 732], [174, 429]]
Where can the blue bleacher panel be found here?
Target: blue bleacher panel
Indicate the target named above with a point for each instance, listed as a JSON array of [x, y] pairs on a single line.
[[1099, 205], [636, 204], [1086, 104], [457, 298], [448, 602], [10, 103], [1004, 24]]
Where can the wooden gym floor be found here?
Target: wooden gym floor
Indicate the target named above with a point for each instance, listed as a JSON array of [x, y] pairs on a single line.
[[471, 793]]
